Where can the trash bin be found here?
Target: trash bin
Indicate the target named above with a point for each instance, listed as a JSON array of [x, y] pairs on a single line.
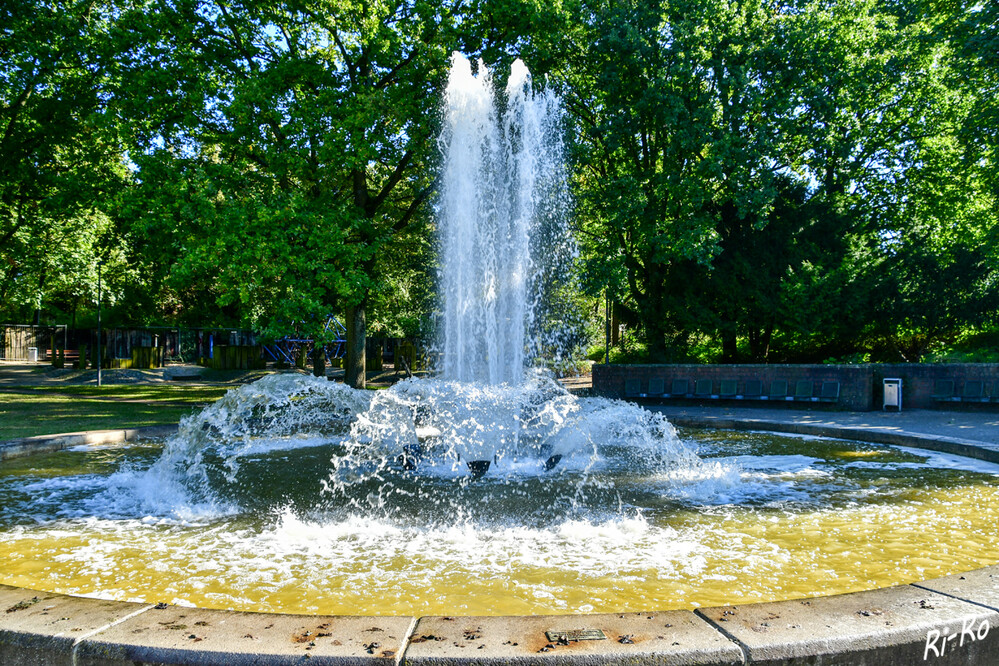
[[893, 394], [32, 354]]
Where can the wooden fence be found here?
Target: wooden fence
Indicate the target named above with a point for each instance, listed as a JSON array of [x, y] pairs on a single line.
[[17, 339]]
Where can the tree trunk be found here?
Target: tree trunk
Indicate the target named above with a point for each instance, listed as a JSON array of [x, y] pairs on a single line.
[[759, 343], [657, 332], [768, 337], [730, 348], [356, 342], [318, 361], [652, 309]]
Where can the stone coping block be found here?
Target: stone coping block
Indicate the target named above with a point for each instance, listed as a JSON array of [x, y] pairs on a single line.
[[174, 635], [896, 626], [980, 586], [26, 446], [670, 637], [44, 628]]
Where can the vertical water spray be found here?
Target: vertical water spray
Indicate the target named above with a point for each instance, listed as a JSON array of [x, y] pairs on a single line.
[[501, 218]]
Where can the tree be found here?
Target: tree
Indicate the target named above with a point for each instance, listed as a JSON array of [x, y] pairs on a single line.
[[974, 27], [742, 163], [308, 132], [937, 269], [61, 155], [679, 124]]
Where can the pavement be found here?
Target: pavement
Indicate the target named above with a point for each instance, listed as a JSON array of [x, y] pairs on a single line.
[[26, 375], [973, 426]]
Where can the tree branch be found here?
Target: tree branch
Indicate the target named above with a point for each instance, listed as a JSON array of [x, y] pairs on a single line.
[[392, 181], [402, 222]]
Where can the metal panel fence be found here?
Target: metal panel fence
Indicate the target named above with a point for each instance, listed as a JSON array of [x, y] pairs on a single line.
[[178, 344], [17, 339]]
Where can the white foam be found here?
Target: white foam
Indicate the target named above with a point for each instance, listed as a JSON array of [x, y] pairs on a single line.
[[938, 460]]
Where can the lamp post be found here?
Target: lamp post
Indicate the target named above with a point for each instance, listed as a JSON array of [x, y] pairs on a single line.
[[98, 357], [607, 327]]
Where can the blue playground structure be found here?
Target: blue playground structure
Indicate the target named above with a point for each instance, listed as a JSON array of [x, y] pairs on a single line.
[[288, 348]]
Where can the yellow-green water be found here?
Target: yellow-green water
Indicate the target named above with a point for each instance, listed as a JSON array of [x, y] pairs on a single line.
[[798, 518]]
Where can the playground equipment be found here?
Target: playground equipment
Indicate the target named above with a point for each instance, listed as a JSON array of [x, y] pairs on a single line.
[[290, 348]]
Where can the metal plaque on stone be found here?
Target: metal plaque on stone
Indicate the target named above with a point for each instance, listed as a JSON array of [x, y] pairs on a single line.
[[565, 636]]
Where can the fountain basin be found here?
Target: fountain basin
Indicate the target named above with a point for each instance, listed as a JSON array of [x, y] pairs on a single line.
[[902, 624]]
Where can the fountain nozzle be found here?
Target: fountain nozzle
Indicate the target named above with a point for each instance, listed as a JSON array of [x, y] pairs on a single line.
[[478, 468]]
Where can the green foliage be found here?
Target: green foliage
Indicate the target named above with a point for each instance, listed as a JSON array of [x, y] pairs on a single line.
[[974, 28], [753, 180], [297, 157], [61, 155], [792, 180], [971, 346]]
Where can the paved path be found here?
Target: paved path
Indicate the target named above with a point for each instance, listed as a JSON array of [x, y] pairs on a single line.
[[22, 374], [980, 427], [43, 374]]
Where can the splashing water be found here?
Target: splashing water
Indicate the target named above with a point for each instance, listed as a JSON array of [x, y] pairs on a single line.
[[404, 452], [548, 452], [194, 477]]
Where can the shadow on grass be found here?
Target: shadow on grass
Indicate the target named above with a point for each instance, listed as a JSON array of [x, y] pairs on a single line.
[[30, 415]]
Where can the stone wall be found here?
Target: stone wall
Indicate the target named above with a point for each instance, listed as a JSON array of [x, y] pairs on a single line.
[[860, 385], [918, 380]]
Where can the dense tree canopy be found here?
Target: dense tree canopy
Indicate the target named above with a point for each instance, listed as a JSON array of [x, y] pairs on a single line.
[[753, 180], [61, 157], [789, 180], [297, 135]]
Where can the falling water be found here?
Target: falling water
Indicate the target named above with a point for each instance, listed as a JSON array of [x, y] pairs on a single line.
[[502, 221]]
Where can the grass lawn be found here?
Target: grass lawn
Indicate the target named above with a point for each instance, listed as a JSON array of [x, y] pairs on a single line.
[[44, 413]]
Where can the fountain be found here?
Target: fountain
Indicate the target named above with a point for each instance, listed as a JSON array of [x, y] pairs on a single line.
[[503, 238], [489, 489]]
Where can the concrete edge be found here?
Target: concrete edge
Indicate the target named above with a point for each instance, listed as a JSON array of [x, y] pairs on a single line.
[[950, 625], [961, 447], [898, 625], [27, 446]]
